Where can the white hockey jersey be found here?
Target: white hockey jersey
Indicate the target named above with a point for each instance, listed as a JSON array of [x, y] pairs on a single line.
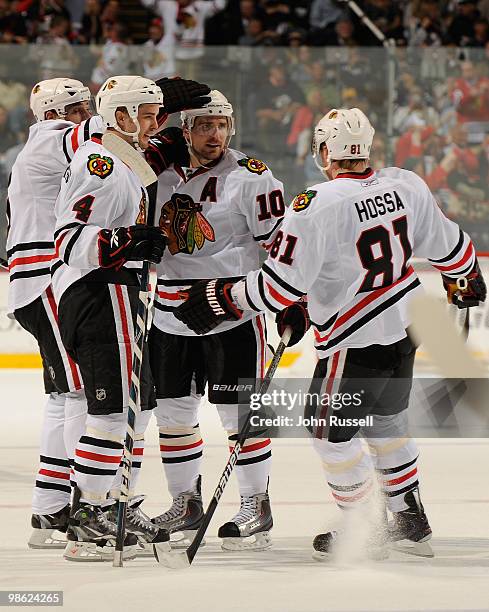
[[216, 220], [347, 244], [34, 186], [98, 191]]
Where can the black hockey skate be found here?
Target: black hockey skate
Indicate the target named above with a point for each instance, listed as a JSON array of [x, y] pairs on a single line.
[[49, 529], [368, 537], [91, 535], [249, 528], [410, 530], [138, 523], [183, 518]]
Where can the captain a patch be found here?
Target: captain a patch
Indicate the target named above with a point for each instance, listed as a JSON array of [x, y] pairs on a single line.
[[99, 165], [303, 200]]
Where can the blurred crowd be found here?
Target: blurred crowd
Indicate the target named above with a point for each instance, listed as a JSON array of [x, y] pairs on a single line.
[[284, 65]]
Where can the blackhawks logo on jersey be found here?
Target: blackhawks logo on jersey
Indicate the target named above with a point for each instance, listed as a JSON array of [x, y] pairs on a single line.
[[183, 222], [302, 201], [99, 165], [141, 220], [253, 165]]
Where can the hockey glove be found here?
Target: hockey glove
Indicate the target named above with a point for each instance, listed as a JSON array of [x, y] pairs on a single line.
[[182, 94], [207, 304], [467, 291], [135, 243], [167, 147], [295, 316]]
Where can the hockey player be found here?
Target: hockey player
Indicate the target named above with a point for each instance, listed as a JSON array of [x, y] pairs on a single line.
[[347, 243], [217, 212], [100, 236], [61, 109]]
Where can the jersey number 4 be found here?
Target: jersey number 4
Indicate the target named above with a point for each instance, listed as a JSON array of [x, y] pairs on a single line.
[[83, 208], [381, 263]]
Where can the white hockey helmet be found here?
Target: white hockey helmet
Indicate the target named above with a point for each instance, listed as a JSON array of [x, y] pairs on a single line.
[[129, 92], [219, 106], [346, 133], [55, 95]]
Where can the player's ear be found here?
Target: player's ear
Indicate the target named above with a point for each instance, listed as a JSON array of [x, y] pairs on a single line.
[[50, 114], [121, 116]]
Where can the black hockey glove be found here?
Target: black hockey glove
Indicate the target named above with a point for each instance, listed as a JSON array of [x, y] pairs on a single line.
[[167, 147], [135, 243], [295, 316], [207, 303], [467, 291], [182, 94]]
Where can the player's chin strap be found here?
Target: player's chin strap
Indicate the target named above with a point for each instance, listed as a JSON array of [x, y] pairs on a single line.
[[134, 135]]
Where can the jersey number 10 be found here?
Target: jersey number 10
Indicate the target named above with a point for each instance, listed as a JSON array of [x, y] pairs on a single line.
[[383, 264]]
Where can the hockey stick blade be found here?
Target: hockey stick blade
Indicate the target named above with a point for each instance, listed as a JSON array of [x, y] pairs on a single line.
[[433, 328], [128, 154], [172, 560], [187, 557]]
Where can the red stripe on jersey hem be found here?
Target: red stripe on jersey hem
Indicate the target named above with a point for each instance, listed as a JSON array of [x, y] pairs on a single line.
[[138, 451], [357, 175], [362, 304], [468, 253], [169, 296], [98, 457], [253, 447], [277, 296], [19, 261], [125, 332], [395, 481], [51, 474], [166, 448], [74, 139]]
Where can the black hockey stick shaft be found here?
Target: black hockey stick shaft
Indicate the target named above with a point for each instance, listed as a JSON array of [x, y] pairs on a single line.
[[134, 389], [233, 457]]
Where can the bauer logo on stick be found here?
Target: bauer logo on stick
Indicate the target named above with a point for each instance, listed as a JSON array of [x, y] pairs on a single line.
[[99, 165], [253, 165], [302, 201]]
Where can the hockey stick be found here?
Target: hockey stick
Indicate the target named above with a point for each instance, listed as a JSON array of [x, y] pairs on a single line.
[[185, 559], [433, 328], [148, 178]]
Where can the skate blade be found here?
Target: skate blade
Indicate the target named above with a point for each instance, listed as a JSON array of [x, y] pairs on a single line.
[[166, 558], [90, 552], [46, 539], [321, 557], [418, 549], [181, 540], [261, 541]]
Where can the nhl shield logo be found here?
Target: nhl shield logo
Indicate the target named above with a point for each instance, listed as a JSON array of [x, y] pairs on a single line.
[[100, 394]]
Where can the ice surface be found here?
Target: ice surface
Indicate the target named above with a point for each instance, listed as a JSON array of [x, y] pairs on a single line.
[[455, 487]]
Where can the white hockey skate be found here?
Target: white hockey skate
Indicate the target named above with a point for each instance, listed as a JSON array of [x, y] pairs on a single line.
[[250, 528], [183, 518], [49, 530]]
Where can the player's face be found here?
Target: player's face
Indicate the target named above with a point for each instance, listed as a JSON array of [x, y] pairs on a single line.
[[209, 136], [148, 124], [78, 112]]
